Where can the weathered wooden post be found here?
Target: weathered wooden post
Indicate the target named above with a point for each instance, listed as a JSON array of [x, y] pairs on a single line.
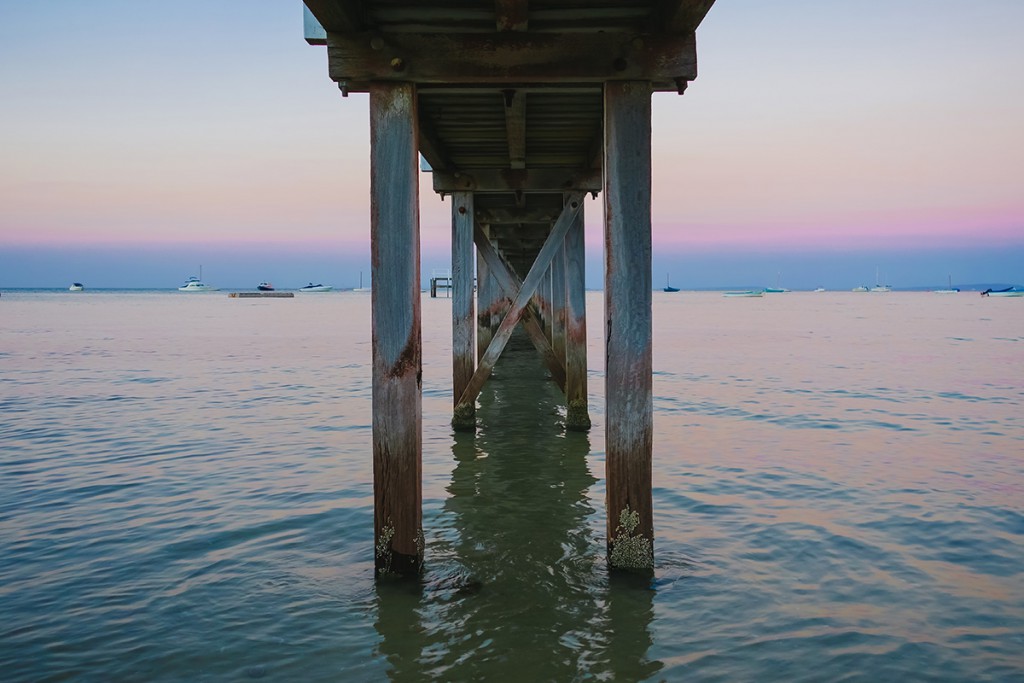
[[629, 422], [485, 299], [397, 344], [463, 358], [558, 304], [578, 407]]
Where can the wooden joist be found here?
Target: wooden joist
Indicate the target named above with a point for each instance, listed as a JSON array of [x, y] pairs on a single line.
[[360, 58]]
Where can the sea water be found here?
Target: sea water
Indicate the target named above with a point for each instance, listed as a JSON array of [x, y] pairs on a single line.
[[186, 494]]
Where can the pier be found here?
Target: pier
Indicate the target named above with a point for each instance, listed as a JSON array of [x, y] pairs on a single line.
[[520, 110], [441, 280]]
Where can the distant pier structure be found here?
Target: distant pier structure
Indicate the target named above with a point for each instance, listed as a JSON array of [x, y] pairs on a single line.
[[520, 109]]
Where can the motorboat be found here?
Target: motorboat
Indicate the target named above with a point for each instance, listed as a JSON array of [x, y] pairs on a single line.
[[819, 289], [194, 284], [265, 287], [316, 288], [1009, 291], [744, 293], [861, 288], [76, 287]]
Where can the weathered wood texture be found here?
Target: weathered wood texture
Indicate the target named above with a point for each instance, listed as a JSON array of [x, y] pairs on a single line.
[[558, 303], [396, 337], [510, 57], [522, 299], [550, 16], [526, 180], [629, 426], [515, 127], [486, 293], [510, 284], [578, 414], [463, 352], [512, 15]]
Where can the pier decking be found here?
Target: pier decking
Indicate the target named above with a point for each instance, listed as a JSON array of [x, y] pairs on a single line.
[[520, 109]]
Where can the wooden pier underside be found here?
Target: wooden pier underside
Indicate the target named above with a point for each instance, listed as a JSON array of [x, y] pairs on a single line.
[[521, 109]]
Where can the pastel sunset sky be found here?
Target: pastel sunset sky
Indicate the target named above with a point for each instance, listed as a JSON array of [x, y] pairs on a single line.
[[821, 141]]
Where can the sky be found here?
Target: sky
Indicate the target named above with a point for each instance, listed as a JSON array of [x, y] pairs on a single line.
[[822, 142]]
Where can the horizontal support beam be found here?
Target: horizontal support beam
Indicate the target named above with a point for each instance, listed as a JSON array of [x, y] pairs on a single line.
[[520, 180], [517, 216], [336, 15], [532, 228], [511, 57]]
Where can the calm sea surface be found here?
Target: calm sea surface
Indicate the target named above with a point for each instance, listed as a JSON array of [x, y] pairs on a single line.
[[186, 494]]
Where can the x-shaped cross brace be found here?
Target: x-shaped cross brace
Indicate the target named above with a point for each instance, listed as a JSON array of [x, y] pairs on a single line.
[[522, 291]]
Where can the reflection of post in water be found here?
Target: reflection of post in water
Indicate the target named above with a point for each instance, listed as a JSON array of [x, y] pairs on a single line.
[[517, 587], [629, 609]]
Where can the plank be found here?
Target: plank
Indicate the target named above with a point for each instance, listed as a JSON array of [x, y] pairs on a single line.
[[510, 57], [524, 180]]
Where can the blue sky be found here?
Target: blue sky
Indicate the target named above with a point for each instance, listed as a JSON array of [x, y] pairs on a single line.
[[821, 141]]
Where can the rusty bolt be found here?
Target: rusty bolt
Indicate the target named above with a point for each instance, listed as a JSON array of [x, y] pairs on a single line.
[[397, 64]]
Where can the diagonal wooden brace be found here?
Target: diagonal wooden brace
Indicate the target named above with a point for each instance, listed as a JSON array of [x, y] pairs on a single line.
[[510, 282], [522, 299]]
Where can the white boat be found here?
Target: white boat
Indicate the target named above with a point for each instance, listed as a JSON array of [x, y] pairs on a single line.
[[861, 288], [196, 284], [778, 288], [949, 290], [878, 286], [265, 287], [76, 287], [819, 289], [744, 293], [316, 288]]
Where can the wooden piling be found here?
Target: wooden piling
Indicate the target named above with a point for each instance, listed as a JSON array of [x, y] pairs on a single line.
[[463, 358], [486, 297], [397, 344], [629, 423], [558, 303], [578, 410]]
